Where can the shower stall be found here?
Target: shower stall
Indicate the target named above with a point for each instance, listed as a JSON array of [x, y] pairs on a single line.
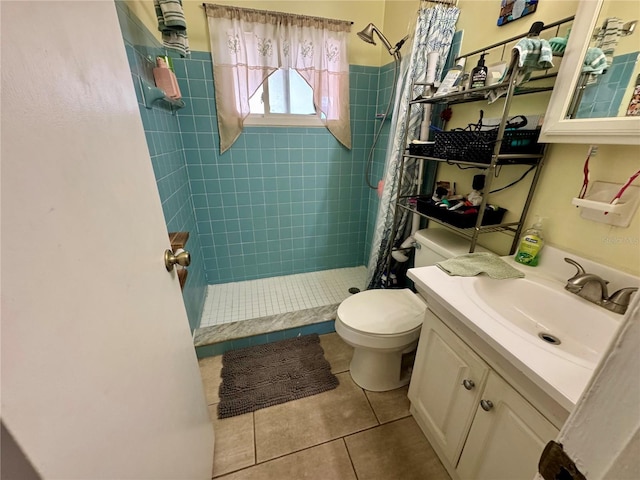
[[282, 201]]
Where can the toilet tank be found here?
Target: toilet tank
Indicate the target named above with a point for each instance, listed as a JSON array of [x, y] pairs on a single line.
[[438, 244]]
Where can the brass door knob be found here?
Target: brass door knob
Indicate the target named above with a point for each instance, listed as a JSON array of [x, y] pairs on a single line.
[[182, 258]]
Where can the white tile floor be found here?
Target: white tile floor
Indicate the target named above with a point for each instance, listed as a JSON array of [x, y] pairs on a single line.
[[232, 302]]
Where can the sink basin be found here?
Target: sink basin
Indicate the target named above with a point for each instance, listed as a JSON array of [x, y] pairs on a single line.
[[542, 312], [516, 322]]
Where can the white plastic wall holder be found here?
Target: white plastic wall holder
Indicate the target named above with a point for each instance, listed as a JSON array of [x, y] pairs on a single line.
[[596, 205]]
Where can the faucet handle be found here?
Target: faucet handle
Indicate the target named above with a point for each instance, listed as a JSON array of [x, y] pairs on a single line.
[[580, 271], [622, 297]]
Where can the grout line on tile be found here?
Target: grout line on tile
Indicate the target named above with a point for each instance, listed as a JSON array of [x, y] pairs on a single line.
[[255, 442], [371, 406], [308, 448], [355, 472], [237, 301]]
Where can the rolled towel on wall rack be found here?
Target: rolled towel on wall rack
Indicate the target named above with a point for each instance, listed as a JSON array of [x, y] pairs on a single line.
[[399, 254]]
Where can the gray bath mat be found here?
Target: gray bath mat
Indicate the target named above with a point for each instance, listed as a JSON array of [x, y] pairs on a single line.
[[273, 373]]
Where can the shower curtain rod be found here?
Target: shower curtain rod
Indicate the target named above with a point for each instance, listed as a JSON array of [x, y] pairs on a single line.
[[204, 5], [453, 3]]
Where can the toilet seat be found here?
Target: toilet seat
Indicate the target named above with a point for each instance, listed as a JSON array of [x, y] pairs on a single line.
[[382, 312]]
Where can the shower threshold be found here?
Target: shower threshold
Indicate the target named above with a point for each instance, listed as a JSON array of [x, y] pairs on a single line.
[[217, 339]]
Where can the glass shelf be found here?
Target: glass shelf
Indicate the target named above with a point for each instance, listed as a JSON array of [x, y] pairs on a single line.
[[152, 94]]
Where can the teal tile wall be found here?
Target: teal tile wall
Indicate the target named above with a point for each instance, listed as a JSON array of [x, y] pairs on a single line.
[[281, 200], [167, 157], [603, 98]]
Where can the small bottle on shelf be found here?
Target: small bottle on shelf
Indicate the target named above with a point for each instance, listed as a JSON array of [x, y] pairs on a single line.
[[479, 74], [166, 80]]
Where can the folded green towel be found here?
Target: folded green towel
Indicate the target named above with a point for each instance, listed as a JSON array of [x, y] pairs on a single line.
[[472, 264]]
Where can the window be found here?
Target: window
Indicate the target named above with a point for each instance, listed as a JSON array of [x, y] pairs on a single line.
[[249, 47], [285, 98]]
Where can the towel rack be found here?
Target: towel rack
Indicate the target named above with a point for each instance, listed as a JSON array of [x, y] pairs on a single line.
[[539, 28]]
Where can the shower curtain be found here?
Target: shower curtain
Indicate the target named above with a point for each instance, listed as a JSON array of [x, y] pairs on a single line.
[[434, 31]]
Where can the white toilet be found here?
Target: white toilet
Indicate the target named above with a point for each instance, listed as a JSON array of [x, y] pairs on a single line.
[[383, 325]]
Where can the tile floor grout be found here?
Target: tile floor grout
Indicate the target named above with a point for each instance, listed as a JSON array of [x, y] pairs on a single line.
[[346, 447], [388, 414], [232, 302], [343, 438]]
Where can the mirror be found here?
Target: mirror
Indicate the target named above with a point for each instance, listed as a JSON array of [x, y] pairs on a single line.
[[589, 103]]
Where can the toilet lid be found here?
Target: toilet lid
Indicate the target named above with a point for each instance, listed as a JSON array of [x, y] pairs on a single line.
[[383, 312]]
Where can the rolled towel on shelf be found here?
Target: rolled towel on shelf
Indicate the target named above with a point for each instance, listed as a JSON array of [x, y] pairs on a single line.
[[595, 61], [172, 24], [472, 264], [532, 54]]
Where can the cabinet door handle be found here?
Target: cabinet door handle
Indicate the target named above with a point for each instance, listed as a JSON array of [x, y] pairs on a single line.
[[468, 384], [486, 405]]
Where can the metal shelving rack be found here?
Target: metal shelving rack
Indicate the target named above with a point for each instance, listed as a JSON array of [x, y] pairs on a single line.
[[497, 159]]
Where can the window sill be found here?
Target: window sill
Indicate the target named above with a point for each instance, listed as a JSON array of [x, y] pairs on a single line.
[[283, 121]]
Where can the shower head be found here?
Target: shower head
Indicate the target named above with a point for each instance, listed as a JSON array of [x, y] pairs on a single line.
[[367, 35]]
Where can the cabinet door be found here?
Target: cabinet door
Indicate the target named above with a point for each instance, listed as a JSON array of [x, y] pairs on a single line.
[[444, 405], [506, 441]]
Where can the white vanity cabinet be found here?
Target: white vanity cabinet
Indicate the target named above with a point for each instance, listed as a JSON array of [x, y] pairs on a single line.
[[507, 436], [445, 388], [479, 425]]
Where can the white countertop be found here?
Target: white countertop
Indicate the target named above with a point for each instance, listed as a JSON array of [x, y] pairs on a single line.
[[562, 378]]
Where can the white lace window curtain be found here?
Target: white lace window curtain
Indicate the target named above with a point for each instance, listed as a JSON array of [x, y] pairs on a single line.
[[249, 45]]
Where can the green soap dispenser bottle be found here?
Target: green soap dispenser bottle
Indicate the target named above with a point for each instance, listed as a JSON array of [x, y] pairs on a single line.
[[530, 245], [479, 74]]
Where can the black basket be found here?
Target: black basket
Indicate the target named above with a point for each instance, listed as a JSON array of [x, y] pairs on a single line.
[[461, 218], [477, 146], [421, 149]]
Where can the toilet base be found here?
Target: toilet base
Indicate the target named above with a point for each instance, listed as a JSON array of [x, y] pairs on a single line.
[[380, 371]]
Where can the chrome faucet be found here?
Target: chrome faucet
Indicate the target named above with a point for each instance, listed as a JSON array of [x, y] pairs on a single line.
[[593, 288], [586, 285]]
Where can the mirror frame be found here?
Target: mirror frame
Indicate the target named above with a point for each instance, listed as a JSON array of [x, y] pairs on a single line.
[[556, 128]]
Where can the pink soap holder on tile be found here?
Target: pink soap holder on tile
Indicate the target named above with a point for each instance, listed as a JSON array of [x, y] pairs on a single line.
[[166, 80]]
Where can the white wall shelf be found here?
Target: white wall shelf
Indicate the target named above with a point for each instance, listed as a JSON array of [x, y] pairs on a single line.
[[596, 205]]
